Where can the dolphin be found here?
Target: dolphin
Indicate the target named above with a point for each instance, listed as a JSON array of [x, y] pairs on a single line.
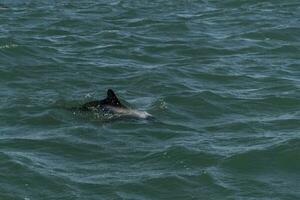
[[112, 105]]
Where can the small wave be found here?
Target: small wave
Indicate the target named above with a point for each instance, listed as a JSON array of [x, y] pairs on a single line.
[[281, 157], [200, 185], [33, 173], [46, 118], [8, 46], [181, 157]]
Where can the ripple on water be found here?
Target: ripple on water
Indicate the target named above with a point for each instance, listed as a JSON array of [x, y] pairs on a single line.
[[267, 160]]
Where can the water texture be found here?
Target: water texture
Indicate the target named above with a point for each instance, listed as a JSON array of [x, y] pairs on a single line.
[[221, 78]]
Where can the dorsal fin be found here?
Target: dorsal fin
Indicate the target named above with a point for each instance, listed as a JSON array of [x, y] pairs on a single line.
[[111, 94], [112, 99]]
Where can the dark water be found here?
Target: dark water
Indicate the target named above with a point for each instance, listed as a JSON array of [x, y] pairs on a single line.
[[222, 79]]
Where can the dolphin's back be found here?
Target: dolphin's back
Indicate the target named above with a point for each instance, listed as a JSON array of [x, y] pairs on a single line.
[[110, 101], [112, 105], [91, 105]]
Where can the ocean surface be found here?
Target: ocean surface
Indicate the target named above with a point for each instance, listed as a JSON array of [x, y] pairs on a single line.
[[221, 78]]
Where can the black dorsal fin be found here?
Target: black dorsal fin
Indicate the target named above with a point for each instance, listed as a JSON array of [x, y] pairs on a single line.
[[112, 99], [111, 94]]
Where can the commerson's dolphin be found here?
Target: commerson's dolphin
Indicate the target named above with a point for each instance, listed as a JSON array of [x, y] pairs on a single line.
[[112, 105]]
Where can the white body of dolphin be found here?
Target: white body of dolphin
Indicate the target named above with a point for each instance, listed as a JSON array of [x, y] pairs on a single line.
[[130, 112]]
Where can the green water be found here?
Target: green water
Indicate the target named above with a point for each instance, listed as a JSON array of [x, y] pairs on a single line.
[[221, 78]]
